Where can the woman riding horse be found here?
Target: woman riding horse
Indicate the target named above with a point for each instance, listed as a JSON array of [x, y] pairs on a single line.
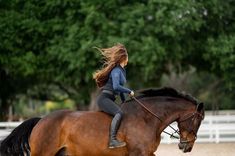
[[82, 133], [111, 79]]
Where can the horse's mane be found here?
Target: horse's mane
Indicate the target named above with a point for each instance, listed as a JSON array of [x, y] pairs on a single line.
[[166, 91]]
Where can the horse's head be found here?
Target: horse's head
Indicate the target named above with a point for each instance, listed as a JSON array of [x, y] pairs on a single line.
[[189, 124], [169, 105]]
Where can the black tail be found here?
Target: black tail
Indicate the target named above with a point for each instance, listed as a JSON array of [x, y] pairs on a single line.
[[16, 144]]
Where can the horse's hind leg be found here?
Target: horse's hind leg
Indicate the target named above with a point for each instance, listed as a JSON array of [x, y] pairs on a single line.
[[43, 143]]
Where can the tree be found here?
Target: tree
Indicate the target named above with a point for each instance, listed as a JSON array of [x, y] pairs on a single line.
[[48, 44]]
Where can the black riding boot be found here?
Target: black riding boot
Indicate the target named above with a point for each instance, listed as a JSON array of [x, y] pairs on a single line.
[[113, 142]]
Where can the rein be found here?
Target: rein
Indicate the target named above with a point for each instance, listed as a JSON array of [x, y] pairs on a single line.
[[176, 131], [142, 105]]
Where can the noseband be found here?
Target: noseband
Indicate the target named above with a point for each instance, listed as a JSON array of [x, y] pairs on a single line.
[[193, 115]]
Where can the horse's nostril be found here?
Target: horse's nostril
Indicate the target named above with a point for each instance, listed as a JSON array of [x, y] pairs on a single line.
[[181, 146], [187, 149], [190, 149]]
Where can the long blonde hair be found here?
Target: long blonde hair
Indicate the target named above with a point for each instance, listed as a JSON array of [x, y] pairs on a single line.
[[112, 57]]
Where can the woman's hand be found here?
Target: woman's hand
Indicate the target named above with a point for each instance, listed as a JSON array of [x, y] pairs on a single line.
[[132, 94]]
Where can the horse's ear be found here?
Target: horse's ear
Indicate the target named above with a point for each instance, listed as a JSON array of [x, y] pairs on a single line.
[[200, 107]]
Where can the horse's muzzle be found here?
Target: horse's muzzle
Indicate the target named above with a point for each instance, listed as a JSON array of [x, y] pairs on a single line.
[[185, 147]]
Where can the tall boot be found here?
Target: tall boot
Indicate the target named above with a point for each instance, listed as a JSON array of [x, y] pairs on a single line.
[[113, 142]]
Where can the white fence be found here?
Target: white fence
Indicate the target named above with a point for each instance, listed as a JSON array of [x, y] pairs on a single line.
[[6, 128], [214, 129]]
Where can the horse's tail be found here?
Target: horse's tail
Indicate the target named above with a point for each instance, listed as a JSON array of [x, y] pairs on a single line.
[[16, 144]]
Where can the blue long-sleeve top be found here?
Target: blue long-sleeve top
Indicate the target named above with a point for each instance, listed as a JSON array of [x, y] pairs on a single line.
[[116, 81]]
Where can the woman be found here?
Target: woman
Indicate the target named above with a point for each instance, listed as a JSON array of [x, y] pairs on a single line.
[[111, 79]]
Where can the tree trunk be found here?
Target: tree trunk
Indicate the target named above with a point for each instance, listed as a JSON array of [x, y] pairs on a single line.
[[93, 105], [4, 107]]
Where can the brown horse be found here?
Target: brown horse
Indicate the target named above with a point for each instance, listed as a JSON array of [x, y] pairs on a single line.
[[86, 133]]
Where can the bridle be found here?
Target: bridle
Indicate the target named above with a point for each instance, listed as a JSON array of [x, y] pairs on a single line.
[[192, 115]]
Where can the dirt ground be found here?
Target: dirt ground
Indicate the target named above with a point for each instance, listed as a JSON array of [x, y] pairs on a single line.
[[199, 149]]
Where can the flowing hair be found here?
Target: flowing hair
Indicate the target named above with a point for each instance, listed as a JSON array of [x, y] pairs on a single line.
[[112, 57]]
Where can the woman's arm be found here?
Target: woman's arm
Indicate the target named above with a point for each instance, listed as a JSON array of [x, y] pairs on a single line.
[[123, 98], [116, 82]]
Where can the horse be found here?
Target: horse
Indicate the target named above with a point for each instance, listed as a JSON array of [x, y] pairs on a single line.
[[86, 133]]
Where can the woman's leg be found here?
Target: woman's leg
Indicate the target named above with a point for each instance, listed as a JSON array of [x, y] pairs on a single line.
[[108, 105], [113, 142]]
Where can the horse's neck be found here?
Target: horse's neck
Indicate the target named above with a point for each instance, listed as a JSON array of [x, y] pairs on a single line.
[[167, 111], [171, 111]]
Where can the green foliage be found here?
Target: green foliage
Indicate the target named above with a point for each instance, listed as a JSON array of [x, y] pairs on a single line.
[[25, 107], [207, 87], [221, 50], [52, 106], [48, 44]]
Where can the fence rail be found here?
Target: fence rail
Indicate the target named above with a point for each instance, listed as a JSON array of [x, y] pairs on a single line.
[[214, 129]]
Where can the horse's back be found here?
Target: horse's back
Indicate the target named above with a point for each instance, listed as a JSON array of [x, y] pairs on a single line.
[[89, 133], [81, 132]]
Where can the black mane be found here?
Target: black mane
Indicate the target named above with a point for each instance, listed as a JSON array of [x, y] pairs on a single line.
[[166, 91]]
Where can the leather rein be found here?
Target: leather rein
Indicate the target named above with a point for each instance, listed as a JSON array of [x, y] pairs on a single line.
[[191, 115]]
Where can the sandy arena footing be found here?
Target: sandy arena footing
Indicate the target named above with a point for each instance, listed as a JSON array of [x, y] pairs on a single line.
[[199, 149]]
